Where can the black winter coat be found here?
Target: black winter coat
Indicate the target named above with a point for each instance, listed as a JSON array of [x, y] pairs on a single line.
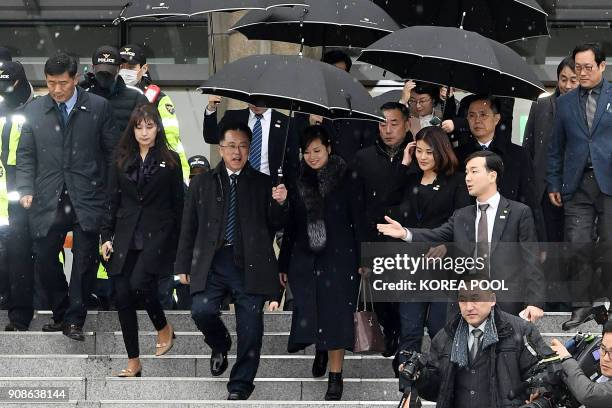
[[203, 229], [156, 209], [324, 283], [123, 98], [510, 360], [77, 156]]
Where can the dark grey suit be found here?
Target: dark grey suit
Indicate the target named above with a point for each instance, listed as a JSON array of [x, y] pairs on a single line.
[[517, 264]]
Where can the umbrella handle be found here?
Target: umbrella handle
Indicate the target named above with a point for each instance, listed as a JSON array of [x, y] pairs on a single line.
[[304, 12], [212, 42], [281, 179]]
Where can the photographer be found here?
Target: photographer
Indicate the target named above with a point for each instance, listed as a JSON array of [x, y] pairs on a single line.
[[479, 357], [591, 394]]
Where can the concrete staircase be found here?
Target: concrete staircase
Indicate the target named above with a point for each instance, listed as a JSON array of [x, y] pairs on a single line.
[[182, 378]]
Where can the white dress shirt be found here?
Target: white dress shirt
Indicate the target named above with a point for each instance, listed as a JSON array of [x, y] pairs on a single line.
[[472, 328], [491, 212], [266, 121]]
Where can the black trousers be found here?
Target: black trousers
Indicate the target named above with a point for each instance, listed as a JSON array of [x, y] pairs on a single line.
[[128, 299], [68, 303], [20, 260], [225, 277], [588, 228]]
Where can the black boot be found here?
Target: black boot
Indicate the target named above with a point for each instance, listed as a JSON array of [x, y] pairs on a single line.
[[319, 365], [334, 387]]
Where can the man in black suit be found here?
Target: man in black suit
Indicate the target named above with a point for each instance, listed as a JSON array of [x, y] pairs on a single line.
[[269, 128], [229, 220], [484, 115], [493, 220]]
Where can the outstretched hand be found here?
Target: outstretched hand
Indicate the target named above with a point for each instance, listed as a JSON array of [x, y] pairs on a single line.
[[393, 229]]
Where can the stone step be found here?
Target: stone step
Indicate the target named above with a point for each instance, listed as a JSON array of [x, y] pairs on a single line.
[[101, 366], [273, 322], [210, 404], [112, 343]]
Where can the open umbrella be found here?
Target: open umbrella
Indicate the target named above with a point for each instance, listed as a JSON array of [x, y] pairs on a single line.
[[137, 9], [294, 83], [501, 20], [340, 23], [142, 9], [455, 57]]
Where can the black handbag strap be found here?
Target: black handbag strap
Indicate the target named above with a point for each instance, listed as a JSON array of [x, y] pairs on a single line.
[[362, 285]]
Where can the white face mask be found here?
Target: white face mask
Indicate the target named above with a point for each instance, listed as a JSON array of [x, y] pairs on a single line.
[[130, 77]]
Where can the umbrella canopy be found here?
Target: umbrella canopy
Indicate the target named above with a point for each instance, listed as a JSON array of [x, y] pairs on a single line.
[[294, 83], [389, 96], [186, 8], [339, 23], [455, 57], [500, 20]]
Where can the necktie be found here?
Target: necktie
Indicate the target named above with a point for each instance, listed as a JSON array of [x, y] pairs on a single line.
[[484, 147], [230, 226], [255, 152], [64, 113], [477, 333], [482, 236], [591, 107]]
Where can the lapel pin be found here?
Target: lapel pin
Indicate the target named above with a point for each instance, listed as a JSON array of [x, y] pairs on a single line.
[[162, 164], [277, 125], [83, 108], [436, 187]]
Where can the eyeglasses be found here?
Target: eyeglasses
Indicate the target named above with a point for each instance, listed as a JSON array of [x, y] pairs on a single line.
[[418, 102], [481, 116], [605, 352], [233, 147], [587, 68]]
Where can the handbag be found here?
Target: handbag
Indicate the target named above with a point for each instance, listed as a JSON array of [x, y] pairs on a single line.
[[369, 338]]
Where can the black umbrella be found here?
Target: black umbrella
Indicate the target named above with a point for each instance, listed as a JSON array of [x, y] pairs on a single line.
[[294, 83], [340, 23], [390, 96], [137, 9], [501, 20], [454, 57]]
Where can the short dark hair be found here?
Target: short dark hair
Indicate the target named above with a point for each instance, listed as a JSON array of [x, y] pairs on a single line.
[[235, 126], [607, 328], [566, 62], [396, 106], [429, 89], [444, 156], [60, 63], [493, 162], [312, 133], [600, 55], [334, 56], [493, 101]]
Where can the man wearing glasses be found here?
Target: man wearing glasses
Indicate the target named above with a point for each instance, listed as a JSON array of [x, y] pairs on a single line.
[[593, 394], [579, 179]]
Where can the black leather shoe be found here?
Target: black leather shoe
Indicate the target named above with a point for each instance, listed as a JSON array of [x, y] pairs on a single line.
[[74, 332], [579, 316], [391, 345], [319, 365], [218, 363], [238, 395], [53, 327], [12, 327], [334, 387]]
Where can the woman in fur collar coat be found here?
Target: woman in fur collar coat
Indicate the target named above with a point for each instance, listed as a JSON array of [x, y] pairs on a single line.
[[320, 255]]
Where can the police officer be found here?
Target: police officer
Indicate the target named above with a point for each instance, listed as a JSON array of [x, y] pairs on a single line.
[[134, 71], [15, 93]]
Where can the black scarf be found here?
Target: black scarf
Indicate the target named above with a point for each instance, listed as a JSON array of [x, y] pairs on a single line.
[[314, 186], [139, 171]]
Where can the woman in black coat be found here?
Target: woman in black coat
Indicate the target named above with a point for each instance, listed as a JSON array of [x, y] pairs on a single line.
[[431, 196], [140, 232], [320, 255]]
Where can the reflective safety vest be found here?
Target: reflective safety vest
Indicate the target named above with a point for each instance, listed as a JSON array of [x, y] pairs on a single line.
[[171, 127], [17, 122], [4, 215]]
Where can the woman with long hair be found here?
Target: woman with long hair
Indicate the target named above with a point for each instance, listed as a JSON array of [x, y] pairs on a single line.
[[140, 232]]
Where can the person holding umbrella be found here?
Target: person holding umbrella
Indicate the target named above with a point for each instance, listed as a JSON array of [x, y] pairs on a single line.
[[320, 255]]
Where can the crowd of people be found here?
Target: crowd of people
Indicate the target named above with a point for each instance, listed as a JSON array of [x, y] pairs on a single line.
[[101, 156]]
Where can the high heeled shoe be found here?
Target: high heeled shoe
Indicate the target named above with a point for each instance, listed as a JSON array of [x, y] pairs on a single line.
[[163, 348], [128, 373]]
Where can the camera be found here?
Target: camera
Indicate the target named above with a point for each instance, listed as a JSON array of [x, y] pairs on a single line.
[[414, 364], [546, 377]]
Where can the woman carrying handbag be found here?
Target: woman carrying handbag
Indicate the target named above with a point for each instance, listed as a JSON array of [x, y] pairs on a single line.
[[140, 232], [320, 255]]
